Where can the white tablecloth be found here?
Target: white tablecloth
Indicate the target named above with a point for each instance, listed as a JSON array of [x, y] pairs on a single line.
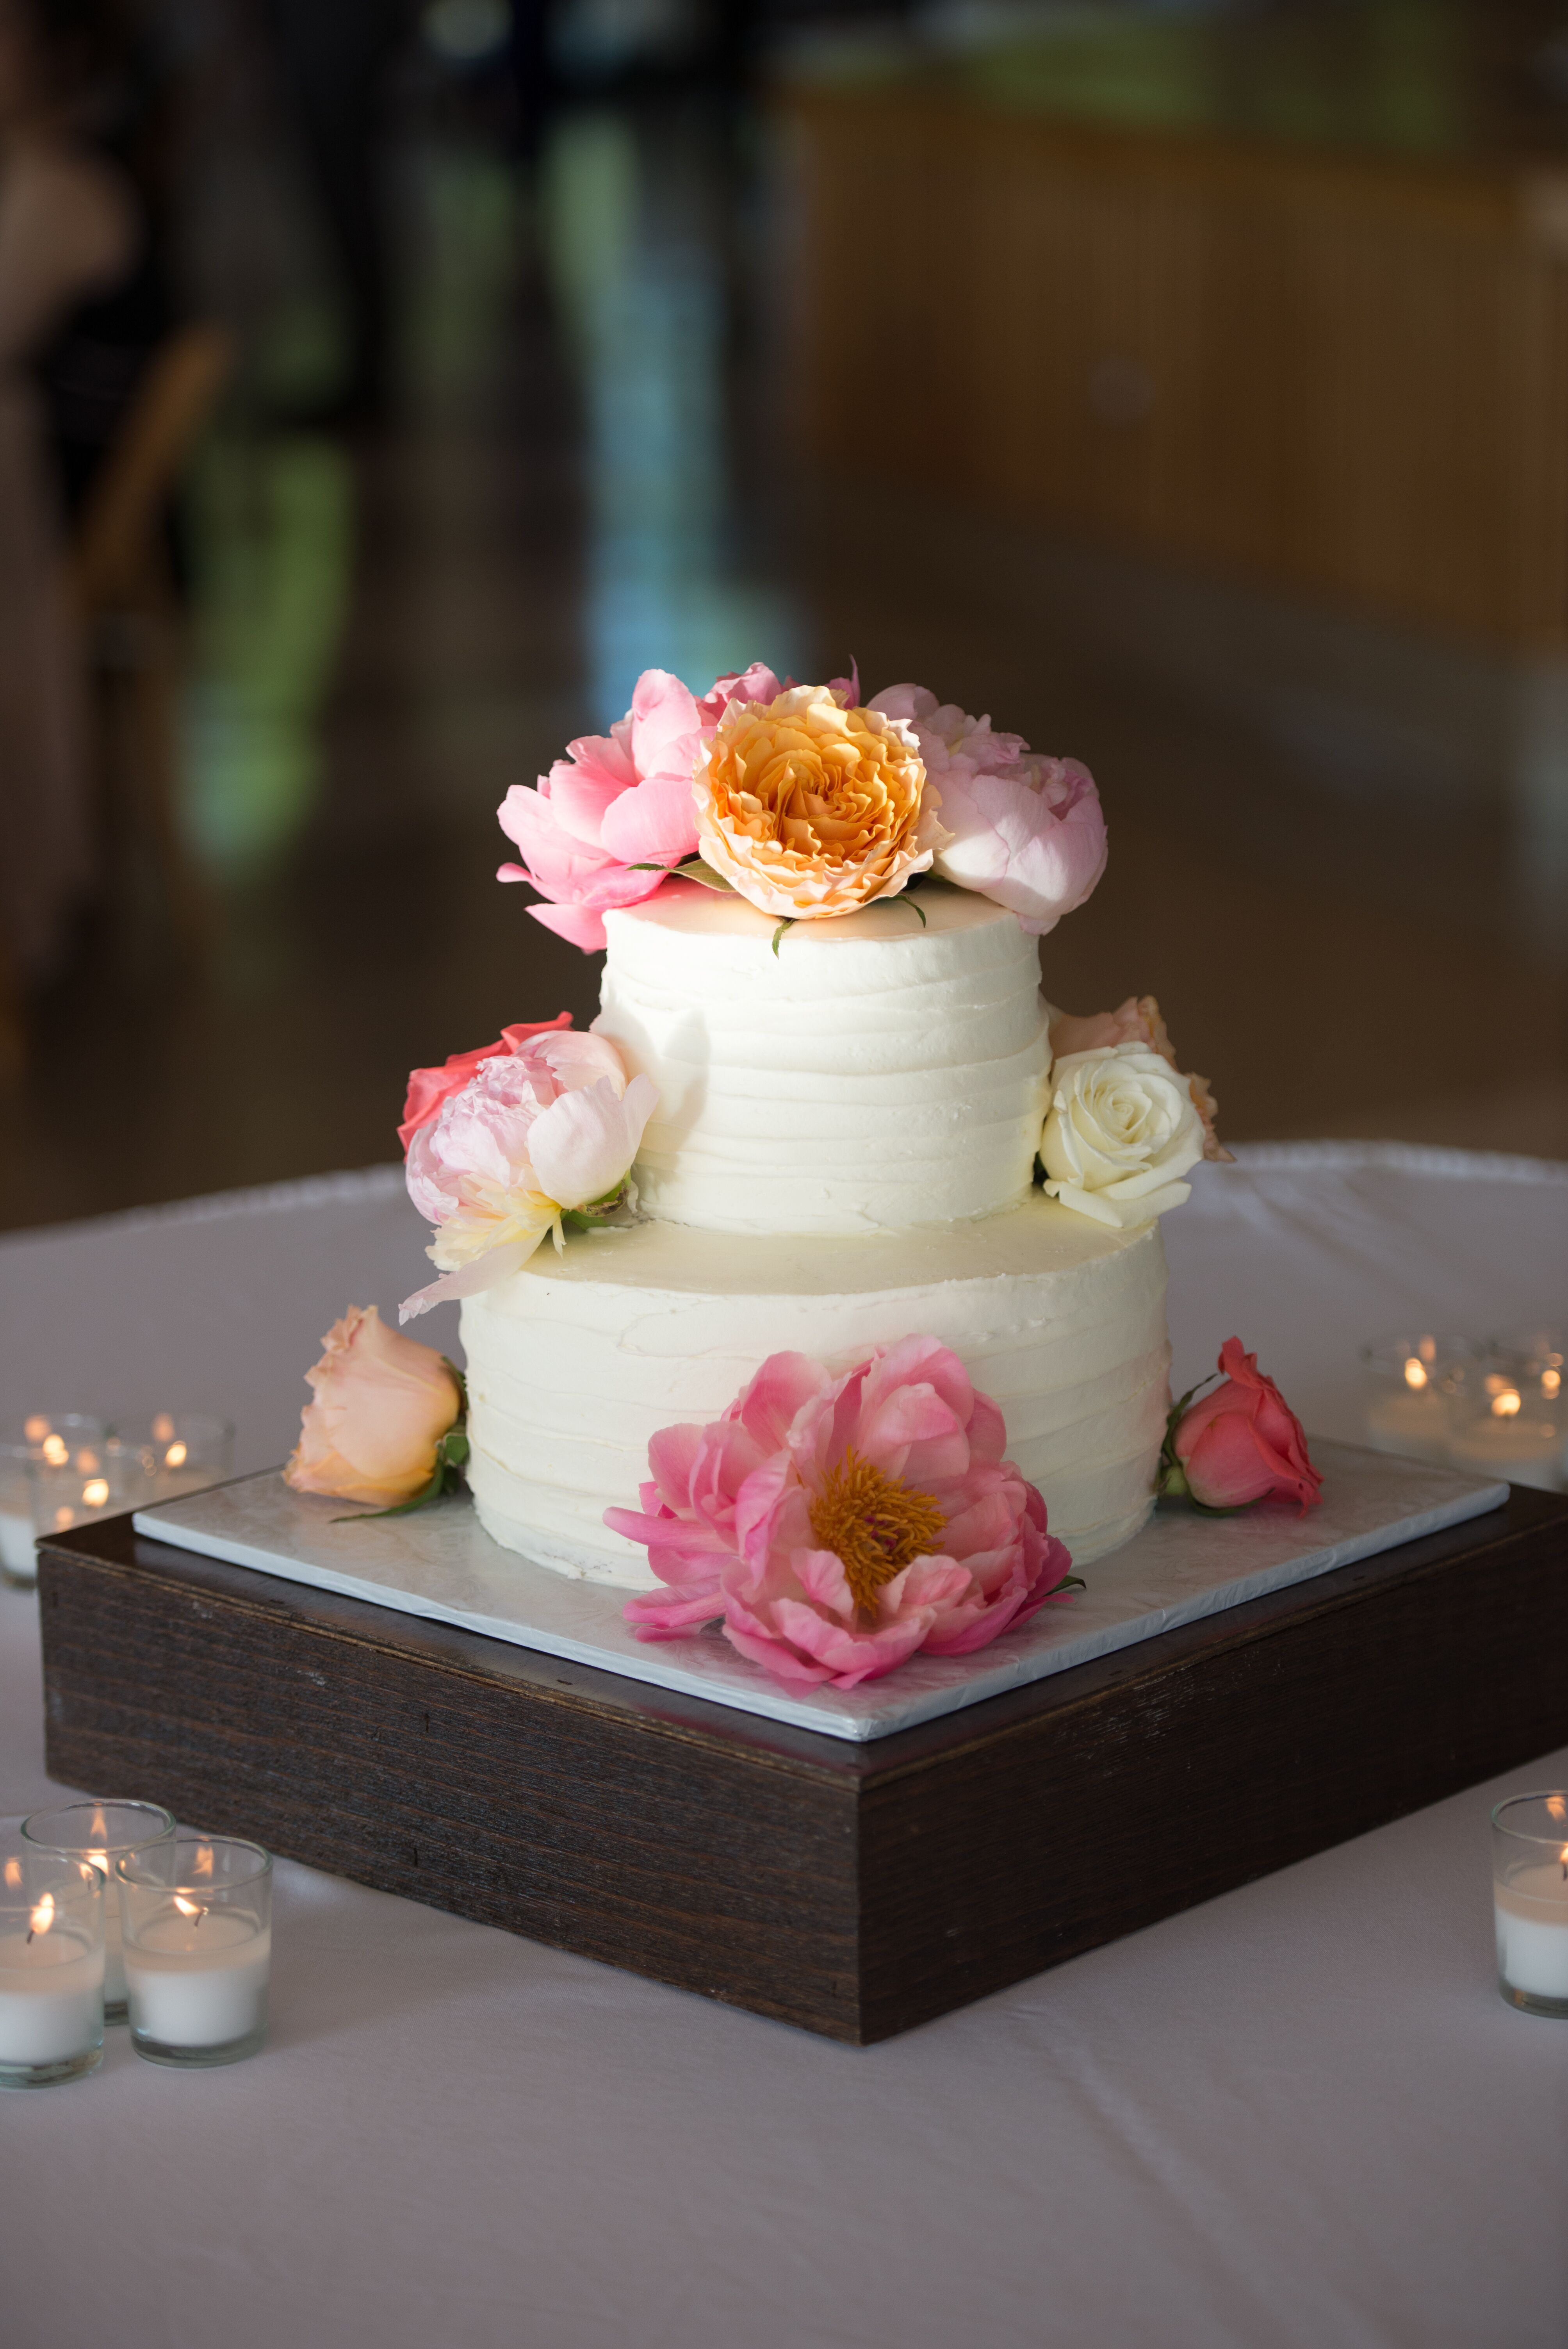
[[1298, 2115]]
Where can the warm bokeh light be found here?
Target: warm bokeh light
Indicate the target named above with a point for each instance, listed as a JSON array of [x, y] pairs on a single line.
[[1415, 1373]]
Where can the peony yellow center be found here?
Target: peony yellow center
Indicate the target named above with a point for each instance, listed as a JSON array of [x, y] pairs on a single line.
[[874, 1524]]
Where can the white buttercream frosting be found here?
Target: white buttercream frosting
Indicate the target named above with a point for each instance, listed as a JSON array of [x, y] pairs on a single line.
[[575, 1362], [872, 1075]]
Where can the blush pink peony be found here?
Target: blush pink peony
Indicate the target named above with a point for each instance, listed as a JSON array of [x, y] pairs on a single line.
[[380, 1405], [429, 1087], [1027, 831], [617, 802], [551, 1126], [838, 1526]]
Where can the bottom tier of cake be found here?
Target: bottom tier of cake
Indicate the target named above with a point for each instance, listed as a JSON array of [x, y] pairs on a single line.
[[576, 1360]]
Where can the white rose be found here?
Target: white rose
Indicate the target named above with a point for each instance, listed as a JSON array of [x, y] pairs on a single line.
[[1120, 1132]]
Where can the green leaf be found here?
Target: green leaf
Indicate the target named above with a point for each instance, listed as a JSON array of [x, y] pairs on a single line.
[[454, 1448], [694, 869], [916, 907], [786, 924], [431, 1492]]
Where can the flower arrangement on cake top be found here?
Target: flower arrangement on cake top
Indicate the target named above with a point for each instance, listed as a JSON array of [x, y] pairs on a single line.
[[803, 800], [835, 1526]]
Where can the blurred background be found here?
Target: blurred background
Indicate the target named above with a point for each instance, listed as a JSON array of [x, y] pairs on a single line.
[[382, 387]]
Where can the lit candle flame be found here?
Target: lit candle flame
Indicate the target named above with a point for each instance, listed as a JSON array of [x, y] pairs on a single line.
[[56, 1451], [176, 1456], [1415, 1373], [43, 1916], [35, 1429], [192, 1909], [1506, 1404]]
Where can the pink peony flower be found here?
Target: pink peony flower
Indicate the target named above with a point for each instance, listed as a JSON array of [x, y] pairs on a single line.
[[616, 801], [1242, 1443], [380, 1406], [551, 1126], [429, 1087], [839, 1525], [1028, 831], [1137, 1021]]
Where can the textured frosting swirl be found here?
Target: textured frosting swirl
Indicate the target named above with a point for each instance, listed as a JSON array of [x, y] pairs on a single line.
[[872, 1075], [575, 1362]]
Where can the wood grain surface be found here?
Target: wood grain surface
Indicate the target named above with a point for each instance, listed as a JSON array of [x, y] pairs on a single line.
[[853, 1890]]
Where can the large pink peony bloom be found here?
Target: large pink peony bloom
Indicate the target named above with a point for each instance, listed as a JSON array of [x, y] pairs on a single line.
[[1028, 831], [618, 800], [552, 1125], [839, 1525]]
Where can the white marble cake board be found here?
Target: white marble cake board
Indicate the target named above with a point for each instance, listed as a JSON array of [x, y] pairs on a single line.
[[442, 1564]]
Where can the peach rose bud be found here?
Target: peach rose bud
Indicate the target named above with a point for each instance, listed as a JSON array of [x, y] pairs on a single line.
[[381, 1404]]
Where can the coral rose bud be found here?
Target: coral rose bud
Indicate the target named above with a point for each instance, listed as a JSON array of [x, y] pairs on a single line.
[[1243, 1442], [381, 1405]]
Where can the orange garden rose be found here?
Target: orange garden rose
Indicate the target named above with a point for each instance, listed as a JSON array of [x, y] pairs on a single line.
[[808, 809], [382, 1407]]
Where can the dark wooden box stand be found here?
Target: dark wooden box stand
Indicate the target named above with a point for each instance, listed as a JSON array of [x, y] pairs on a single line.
[[852, 1890]]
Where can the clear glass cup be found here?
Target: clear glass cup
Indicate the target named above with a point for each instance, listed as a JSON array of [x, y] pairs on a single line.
[[1530, 1897], [182, 1451], [51, 1965], [101, 1478], [22, 1440], [102, 1832], [1408, 1383], [195, 1916], [1506, 1419]]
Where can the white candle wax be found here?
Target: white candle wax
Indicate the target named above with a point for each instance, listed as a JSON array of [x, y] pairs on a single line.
[[1416, 1425], [51, 1997], [1525, 1450], [198, 1982], [113, 1953], [1533, 1930], [18, 1554]]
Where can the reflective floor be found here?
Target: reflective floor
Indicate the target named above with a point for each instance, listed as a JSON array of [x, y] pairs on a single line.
[[1339, 851]]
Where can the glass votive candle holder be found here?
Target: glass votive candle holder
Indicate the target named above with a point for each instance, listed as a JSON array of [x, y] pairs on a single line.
[[37, 1436], [1408, 1383], [51, 1965], [96, 1479], [1530, 1896], [101, 1833], [195, 1915], [182, 1451], [1506, 1420]]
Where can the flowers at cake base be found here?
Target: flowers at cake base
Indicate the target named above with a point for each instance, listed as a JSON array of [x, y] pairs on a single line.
[[1025, 830], [544, 1129], [385, 1424], [612, 817], [835, 1526], [809, 807], [1239, 1445], [1121, 1131]]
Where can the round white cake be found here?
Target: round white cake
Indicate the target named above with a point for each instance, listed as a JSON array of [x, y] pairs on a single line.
[[841, 1157]]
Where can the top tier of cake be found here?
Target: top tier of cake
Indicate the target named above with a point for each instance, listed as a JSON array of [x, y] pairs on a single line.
[[870, 1076]]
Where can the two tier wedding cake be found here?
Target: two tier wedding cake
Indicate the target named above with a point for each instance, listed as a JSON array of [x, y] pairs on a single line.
[[825, 1106]]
